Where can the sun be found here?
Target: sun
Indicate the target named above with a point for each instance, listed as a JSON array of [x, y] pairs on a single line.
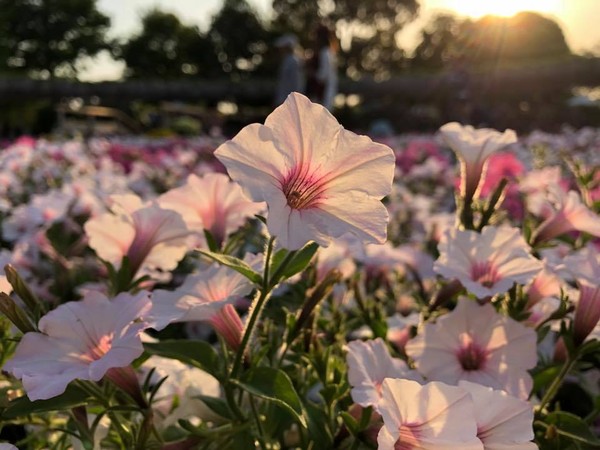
[[505, 8]]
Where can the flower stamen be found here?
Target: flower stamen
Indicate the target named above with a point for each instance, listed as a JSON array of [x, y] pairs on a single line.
[[302, 189]]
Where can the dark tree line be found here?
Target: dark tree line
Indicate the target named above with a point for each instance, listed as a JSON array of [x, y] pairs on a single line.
[[47, 38], [527, 36]]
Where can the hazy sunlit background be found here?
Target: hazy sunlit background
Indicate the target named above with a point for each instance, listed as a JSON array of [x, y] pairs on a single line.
[[575, 16], [409, 64]]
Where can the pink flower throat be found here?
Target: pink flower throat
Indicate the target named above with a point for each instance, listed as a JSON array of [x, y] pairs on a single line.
[[409, 437], [485, 273], [99, 349], [302, 189], [471, 356]]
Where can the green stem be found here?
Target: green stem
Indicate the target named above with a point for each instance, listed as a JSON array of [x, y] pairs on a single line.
[[255, 313], [233, 405], [491, 207], [466, 213], [552, 390], [259, 426]]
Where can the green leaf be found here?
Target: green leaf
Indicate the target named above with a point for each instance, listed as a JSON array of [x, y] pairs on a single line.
[[15, 314], [217, 405], [572, 427], [318, 429], [22, 406], [210, 241], [301, 259], [34, 305], [544, 377], [195, 353], [274, 385], [297, 264], [242, 440], [350, 423], [234, 263]]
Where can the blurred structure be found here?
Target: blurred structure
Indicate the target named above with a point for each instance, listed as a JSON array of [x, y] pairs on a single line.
[[322, 68], [503, 72], [290, 76]]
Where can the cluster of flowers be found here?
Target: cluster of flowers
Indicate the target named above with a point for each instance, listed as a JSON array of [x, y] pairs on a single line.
[[389, 301]]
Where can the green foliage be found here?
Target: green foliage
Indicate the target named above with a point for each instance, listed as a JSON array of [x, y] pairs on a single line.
[[240, 39], [370, 29], [275, 386], [234, 45], [47, 38], [234, 263], [195, 353], [72, 397], [296, 262], [567, 431], [490, 40], [166, 48]]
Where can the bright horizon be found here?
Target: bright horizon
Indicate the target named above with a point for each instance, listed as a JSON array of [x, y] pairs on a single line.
[[504, 8], [574, 17]]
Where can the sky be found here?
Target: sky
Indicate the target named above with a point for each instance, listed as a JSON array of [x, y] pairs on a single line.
[[578, 19]]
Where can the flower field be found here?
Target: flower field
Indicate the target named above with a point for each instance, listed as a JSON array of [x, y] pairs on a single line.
[[302, 287]]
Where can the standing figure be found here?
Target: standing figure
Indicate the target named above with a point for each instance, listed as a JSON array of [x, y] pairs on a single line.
[[291, 71], [322, 79]]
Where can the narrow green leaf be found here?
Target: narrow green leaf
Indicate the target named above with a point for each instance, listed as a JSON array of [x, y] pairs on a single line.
[[350, 423], [217, 405], [234, 263], [572, 427], [210, 241], [34, 305], [22, 406], [15, 314], [301, 259], [544, 377], [274, 385], [195, 353], [318, 429]]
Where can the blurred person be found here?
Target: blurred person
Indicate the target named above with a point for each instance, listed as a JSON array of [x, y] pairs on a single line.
[[291, 70], [322, 79]]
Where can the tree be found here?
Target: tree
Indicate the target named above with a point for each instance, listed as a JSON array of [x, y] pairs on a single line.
[[494, 40], [525, 36], [442, 40], [166, 48], [368, 29], [45, 38], [240, 39]]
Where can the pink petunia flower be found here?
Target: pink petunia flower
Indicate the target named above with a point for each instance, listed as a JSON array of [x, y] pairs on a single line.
[[151, 236], [503, 422], [545, 284], [80, 340], [475, 343], [201, 295], [213, 203], [473, 147], [41, 212], [536, 185], [319, 181], [585, 267], [488, 263], [569, 214], [369, 363], [228, 324], [430, 417]]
